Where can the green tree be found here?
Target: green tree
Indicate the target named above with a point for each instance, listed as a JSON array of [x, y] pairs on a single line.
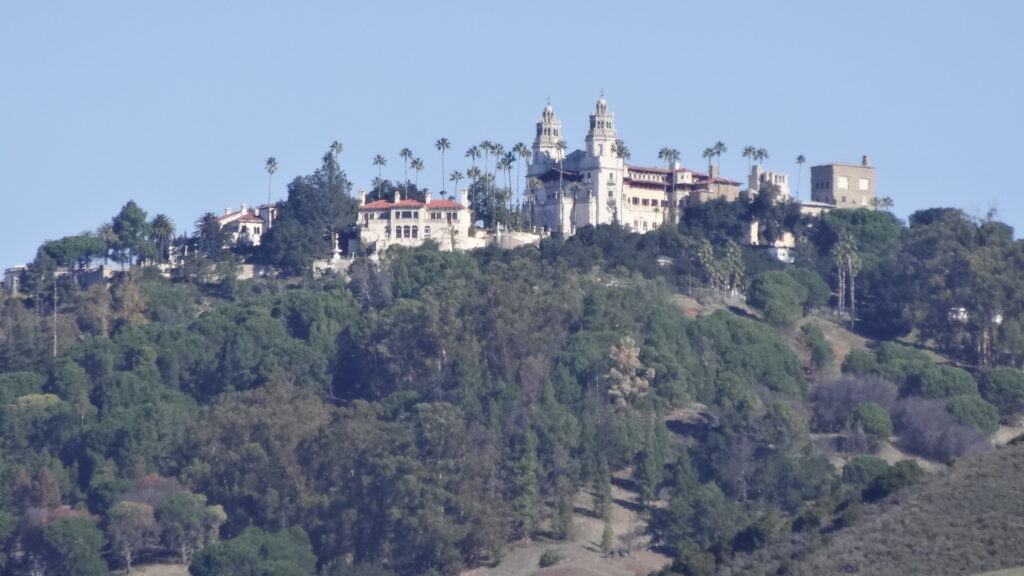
[[380, 162], [1004, 387], [258, 553], [779, 296], [406, 155], [187, 524], [442, 145], [417, 165], [161, 232], [131, 528], [974, 411], [526, 493], [319, 207], [71, 547], [456, 177], [862, 470], [132, 232], [874, 420]]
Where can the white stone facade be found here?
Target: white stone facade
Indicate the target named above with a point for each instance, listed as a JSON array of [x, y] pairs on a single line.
[[596, 186], [411, 223]]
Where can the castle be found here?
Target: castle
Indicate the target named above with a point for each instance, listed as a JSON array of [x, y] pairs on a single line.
[[596, 185]]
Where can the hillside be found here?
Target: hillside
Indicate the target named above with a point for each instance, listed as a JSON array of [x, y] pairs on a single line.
[[966, 521]]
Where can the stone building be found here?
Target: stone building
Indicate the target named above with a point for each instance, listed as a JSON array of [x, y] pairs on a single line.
[[844, 185], [248, 225], [411, 223], [596, 186]]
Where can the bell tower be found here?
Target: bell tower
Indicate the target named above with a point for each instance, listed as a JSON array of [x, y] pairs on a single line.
[[549, 134], [601, 137]]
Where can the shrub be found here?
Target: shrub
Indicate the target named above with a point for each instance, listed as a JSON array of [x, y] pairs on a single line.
[[1004, 387], [873, 419], [860, 363], [926, 428], [976, 412], [941, 382], [779, 296], [899, 476], [834, 401], [550, 558], [821, 351], [862, 470]]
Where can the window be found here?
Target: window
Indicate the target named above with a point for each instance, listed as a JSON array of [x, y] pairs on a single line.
[[415, 231], [435, 215], [407, 232], [843, 183], [863, 184], [426, 232]]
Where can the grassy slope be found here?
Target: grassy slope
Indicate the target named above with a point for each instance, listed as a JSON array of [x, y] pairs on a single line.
[[967, 521]]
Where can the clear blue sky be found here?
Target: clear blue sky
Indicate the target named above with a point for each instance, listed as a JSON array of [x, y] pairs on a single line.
[[177, 104]]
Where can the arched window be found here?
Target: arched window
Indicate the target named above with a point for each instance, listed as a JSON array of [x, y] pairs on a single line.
[[426, 232], [407, 232], [415, 231], [387, 230]]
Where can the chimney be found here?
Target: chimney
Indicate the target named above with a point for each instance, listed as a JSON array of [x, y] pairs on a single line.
[[676, 166], [464, 197], [362, 197], [714, 171], [865, 160], [245, 208], [227, 210], [426, 195], [398, 196]]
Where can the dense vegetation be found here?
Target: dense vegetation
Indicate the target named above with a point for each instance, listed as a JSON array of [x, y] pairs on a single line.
[[427, 408]]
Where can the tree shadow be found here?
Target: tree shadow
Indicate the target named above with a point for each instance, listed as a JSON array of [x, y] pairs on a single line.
[[628, 505]]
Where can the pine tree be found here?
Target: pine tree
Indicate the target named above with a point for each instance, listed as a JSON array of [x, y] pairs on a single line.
[[603, 491]]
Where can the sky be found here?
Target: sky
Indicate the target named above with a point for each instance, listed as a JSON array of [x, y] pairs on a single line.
[[177, 105]]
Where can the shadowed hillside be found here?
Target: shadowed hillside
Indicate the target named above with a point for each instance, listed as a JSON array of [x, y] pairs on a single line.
[[968, 521]]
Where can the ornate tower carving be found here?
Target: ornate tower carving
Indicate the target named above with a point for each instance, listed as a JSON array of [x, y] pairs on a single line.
[[549, 134], [601, 137]]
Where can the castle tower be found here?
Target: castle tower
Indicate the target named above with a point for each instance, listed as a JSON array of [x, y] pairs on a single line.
[[549, 133], [601, 137]]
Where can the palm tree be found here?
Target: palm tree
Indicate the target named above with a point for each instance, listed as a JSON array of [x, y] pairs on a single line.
[[456, 177], [106, 233], [523, 153], [473, 152], [442, 145], [719, 149], [761, 155], [799, 171], [417, 165], [406, 155], [749, 152], [380, 162], [708, 153], [271, 167], [161, 231], [847, 264], [670, 156], [621, 150]]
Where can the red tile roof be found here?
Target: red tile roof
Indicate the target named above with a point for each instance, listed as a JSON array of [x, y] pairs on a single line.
[[434, 204], [445, 204]]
